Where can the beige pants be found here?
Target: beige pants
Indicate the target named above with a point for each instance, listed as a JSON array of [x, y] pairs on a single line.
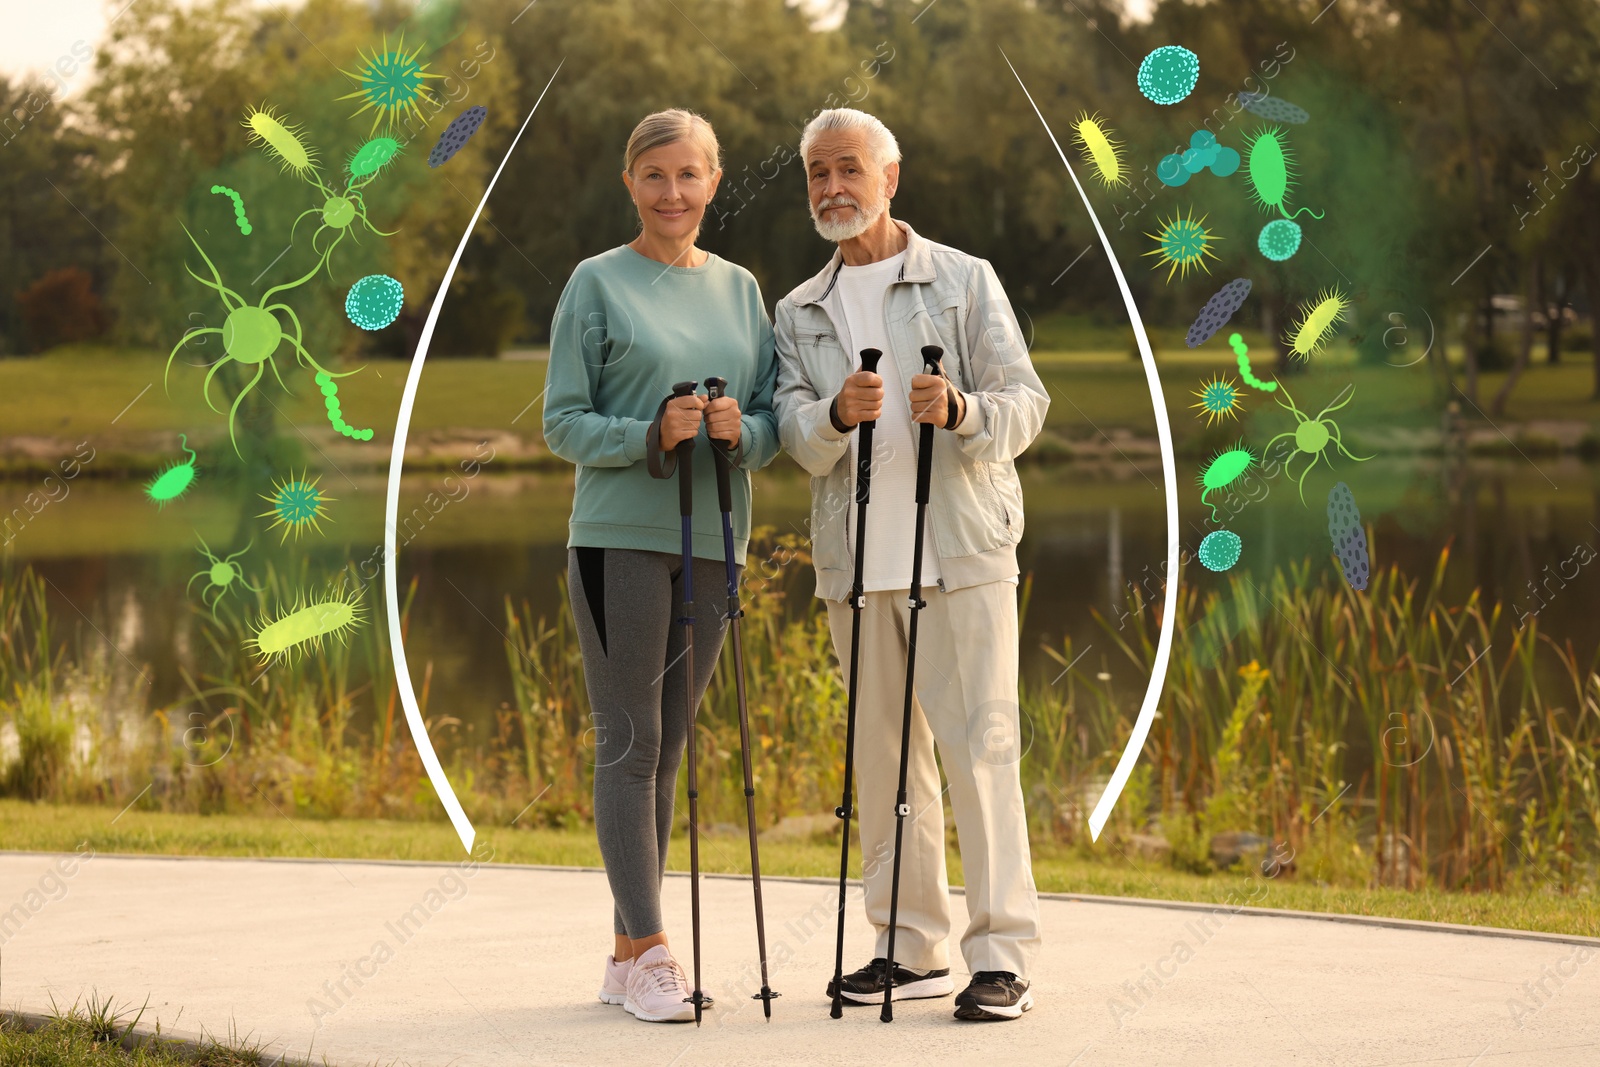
[[966, 702]]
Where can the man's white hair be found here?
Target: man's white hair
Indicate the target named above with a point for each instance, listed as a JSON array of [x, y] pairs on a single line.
[[880, 142]]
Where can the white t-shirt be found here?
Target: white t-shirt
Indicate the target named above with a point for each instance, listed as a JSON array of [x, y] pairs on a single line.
[[892, 503]]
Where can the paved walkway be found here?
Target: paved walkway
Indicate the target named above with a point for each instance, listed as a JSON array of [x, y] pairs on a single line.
[[438, 964]]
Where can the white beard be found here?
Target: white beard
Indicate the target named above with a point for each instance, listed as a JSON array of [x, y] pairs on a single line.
[[863, 221]]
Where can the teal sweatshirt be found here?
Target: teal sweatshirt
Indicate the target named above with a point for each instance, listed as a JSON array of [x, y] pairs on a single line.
[[626, 329]]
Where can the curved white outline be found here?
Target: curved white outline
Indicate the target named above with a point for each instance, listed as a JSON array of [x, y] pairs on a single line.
[[1158, 674], [391, 510]]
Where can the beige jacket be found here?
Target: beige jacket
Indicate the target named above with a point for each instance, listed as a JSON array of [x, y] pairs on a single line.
[[943, 297]]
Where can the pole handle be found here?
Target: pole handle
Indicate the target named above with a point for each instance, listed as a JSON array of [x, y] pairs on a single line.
[[685, 453], [718, 387]]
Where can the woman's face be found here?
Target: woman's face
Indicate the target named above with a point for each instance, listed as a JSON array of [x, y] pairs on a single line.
[[671, 186]]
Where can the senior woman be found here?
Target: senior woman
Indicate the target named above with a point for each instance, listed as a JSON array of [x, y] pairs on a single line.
[[631, 322]]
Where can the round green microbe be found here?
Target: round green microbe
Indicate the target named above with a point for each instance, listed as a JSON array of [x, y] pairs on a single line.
[[370, 157], [251, 334], [338, 212], [374, 301], [1279, 240], [1169, 74], [1220, 550]]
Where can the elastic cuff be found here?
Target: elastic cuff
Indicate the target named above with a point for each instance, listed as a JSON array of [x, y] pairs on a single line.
[[660, 464], [971, 419], [833, 417], [833, 429], [635, 440]]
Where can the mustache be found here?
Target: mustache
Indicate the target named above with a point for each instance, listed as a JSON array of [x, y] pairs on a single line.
[[838, 201]]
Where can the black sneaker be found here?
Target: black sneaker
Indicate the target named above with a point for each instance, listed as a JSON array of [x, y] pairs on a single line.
[[994, 995], [866, 985]]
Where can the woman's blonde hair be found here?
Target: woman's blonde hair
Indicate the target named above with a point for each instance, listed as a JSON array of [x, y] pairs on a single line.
[[667, 127]]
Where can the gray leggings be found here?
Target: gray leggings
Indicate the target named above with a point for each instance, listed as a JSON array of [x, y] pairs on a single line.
[[626, 604]]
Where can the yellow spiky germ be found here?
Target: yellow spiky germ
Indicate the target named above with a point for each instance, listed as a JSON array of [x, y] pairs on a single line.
[[391, 82], [1100, 150], [1183, 242], [1218, 398], [1318, 320], [274, 133]]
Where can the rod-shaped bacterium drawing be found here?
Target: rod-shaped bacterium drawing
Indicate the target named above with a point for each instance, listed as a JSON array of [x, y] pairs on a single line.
[[456, 135], [1100, 150], [1312, 436], [220, 575], [307, 624], [1348, 535], [1223, 469], [296, 505], [1271, 169], [1218, 310], [1318, 320], [175, 479]]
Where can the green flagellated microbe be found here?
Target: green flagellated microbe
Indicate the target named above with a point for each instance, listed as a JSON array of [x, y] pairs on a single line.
[[1242, 351], [1318, 320], [1271, 170], [1225, 467], [1220, 550], [307, 624], [175, 480], [373, 156], [296, 505], [220, 575]]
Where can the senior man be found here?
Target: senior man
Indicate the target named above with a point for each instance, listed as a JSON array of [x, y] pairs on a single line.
[[888, 288]]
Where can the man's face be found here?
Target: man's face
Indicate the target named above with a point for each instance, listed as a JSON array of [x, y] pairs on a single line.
[[847, 190]]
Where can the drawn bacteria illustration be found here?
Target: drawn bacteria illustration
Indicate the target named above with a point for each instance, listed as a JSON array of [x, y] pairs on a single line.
[[1349, 537], [1183, 242], [1279, 239], [250, 335], [373, 156], [1204, 153], [330, 392], [1220, 549], [1319, 319], [455, 135], [1312, 436], [220, 575], [1218, 398], [307, 624], [1271, 170], [374, 301], [296, 506], [1218, 310], [391, 83], [278, 138], [1223, 470], [1242, 351], [1273, 108], [238, 207], [1169, 74], [175, 479]]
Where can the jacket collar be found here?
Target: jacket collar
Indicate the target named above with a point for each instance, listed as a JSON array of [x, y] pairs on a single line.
[[918, 267]]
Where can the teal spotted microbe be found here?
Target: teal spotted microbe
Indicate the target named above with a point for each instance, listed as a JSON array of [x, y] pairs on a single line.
[[1169, 74], [1279, 240], [374, 301], [1220, 550]]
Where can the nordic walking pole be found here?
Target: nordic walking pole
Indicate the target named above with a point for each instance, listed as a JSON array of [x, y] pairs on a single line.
[[858, 600], [930, 360], [716, 387], [685, 452]]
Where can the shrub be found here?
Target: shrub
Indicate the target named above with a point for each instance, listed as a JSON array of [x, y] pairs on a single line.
[[60, 308]]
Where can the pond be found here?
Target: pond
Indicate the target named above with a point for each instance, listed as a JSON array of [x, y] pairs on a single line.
[[117, 566]]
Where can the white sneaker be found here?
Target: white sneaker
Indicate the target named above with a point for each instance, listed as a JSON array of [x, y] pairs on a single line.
[[614, 988], [658, 990]]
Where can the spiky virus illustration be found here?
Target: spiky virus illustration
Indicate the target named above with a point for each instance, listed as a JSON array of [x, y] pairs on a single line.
[[1219, 398], [307, 624], [1348, 535], [1273, 108], [1223, 470], [1100, 150], [456, 135], [296, 505], [1169, 74], [1270, 166], [175, 479], [1318, 320], [374, 301], [1182, 243], [1279, 239], [392, 82], [1220, 550], [1218, 310]]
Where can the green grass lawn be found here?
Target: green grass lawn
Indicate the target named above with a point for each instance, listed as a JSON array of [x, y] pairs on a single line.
[[1056, 869]]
